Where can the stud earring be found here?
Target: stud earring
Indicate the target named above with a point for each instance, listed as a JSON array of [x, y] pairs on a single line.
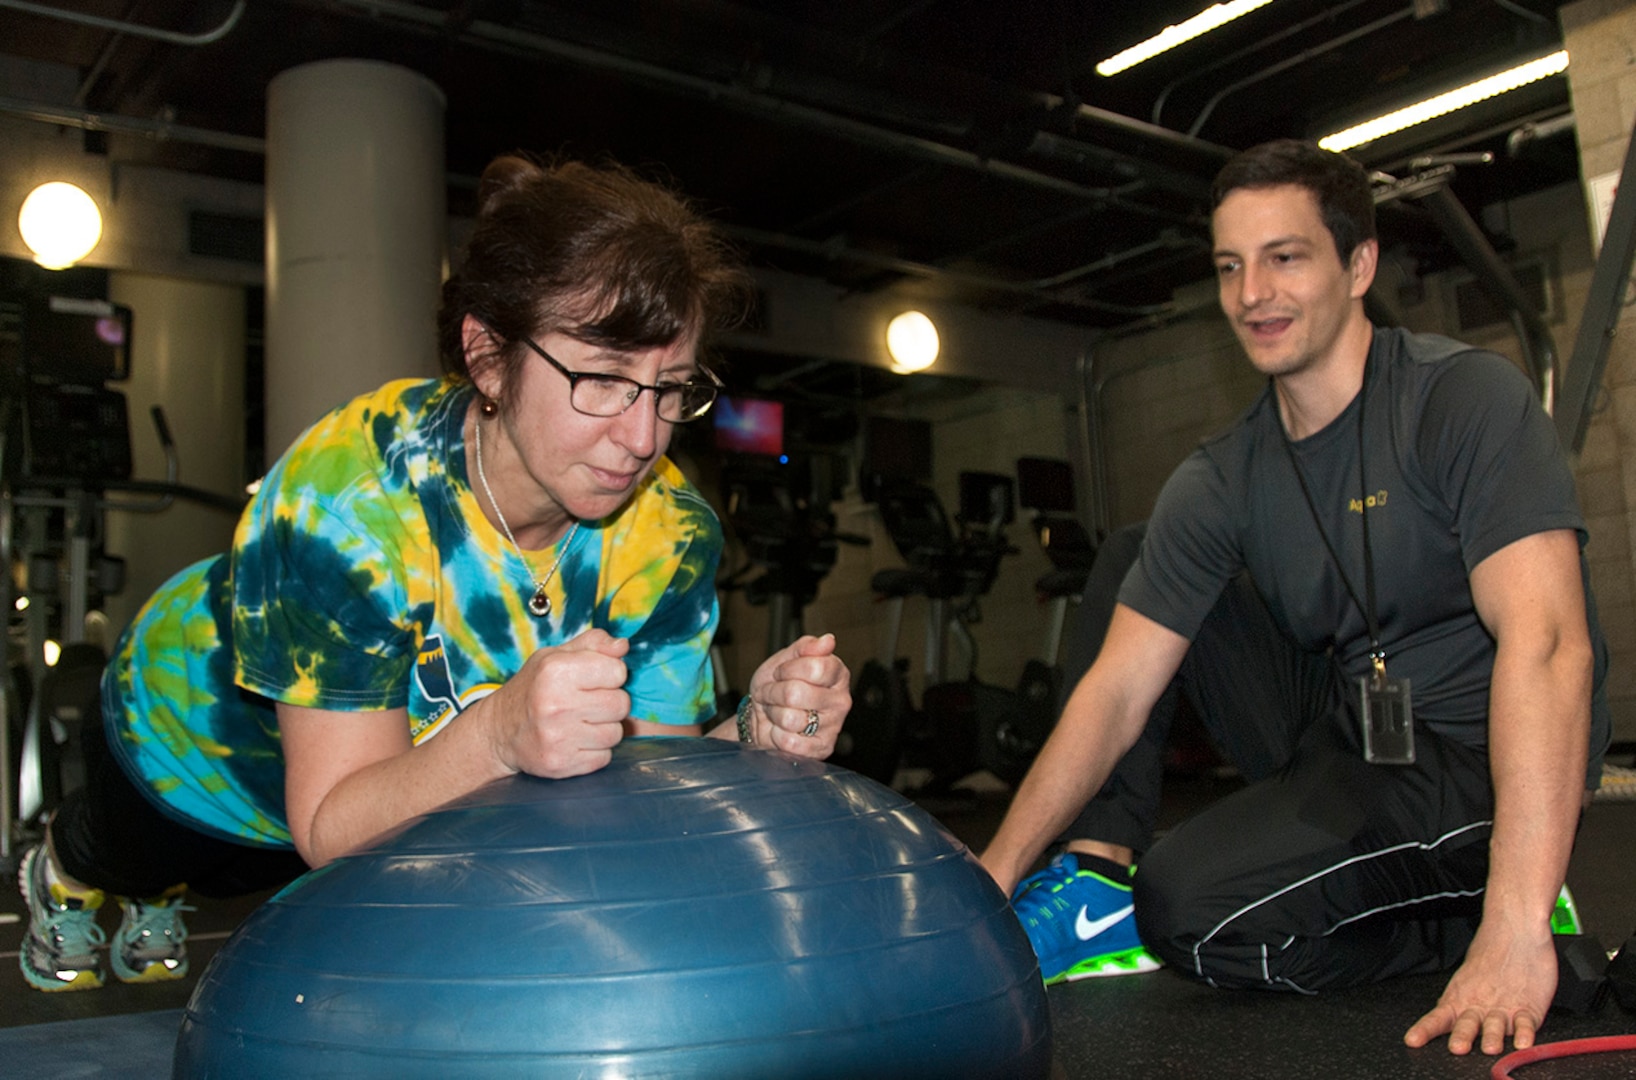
[[488, 408]]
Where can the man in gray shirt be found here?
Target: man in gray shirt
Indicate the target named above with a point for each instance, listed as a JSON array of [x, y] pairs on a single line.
[[1371, 590]]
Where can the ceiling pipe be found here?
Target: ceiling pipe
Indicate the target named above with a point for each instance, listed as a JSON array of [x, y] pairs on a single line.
[[1460, 140], [1526, 134], [821, 218], [1167, 240], [1129, 125], [491, 34], [1032, 289], [94, 72], [908, 11], [134, 29], [1249, 50], [1042, 227], [160, 130], [129, 125], [484, 33], [1523, 13], [1299, 58], [1051, 146], [1430, 189]]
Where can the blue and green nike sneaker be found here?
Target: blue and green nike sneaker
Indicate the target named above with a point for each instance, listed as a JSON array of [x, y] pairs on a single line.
[[1082, 924]]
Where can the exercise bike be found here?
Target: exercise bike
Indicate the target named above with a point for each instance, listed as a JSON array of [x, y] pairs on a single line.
[[1045, 487], [956, 729], [65, 462], [781, 514]]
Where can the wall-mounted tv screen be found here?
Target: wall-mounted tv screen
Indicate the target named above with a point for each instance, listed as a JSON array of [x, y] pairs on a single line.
[[77, 341], [749, 425]]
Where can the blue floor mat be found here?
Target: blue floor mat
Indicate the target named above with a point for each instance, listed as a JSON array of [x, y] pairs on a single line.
[[137, 1046]]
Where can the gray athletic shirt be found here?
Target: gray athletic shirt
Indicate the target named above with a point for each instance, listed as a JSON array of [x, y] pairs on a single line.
[[1460, 460]]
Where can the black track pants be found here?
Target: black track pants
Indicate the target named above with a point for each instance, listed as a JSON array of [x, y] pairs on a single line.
[[1325, 870], [109, 835]]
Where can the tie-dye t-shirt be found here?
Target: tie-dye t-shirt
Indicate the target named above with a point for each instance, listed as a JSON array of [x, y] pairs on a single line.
[[364, 576]]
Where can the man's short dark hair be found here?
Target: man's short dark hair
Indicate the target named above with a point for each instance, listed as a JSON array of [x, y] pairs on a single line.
[[1340, 185]]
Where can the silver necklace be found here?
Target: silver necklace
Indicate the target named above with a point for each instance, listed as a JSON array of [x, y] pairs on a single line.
[[539, 605]]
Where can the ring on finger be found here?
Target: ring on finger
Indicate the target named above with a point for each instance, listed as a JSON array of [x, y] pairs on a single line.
[[812, 724]]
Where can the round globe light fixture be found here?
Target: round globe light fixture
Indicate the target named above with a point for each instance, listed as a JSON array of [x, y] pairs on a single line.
[[60, 223], [911, 342]]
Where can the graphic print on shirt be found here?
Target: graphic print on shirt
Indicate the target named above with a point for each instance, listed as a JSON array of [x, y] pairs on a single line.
[[1356, 506], [434, 685]]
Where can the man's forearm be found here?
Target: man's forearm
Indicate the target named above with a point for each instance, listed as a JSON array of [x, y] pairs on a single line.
[[1064, 777], [1103, 718], [1539, 723], [1529, 596], [1096, 729]]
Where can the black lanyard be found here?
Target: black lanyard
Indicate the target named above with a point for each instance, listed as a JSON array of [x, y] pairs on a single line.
[[1377, 655]]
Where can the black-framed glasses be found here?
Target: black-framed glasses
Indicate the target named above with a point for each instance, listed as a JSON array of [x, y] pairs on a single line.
[[610, 395]]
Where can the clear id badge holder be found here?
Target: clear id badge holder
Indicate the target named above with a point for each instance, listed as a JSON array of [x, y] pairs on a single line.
[[1388, 719]]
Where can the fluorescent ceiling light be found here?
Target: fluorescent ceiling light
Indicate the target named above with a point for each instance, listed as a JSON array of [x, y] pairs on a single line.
[[1470, 94], [1172, 36]]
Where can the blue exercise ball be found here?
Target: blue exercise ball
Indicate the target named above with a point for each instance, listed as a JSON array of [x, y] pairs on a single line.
[[695, 909]]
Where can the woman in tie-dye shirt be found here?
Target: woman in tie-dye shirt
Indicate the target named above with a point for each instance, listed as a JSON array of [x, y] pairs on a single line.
[[441, 583]]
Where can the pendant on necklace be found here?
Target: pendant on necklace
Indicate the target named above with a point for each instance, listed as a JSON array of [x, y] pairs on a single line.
[[539, 605]]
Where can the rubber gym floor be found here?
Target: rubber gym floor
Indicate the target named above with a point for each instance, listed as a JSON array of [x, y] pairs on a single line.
[[1147, 1026]]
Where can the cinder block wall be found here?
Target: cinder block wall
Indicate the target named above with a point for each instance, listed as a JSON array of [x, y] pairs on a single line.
[[991, 439], [1601, 40], [1154, 396]]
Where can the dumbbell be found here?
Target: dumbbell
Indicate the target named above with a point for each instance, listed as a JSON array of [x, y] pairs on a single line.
[[1621, 975], [1582, 974]]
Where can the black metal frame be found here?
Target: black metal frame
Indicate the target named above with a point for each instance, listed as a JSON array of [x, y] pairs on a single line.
[[1603, 305]]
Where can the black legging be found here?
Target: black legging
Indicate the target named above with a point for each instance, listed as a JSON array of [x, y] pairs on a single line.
[[110, 835], [1325, 870]]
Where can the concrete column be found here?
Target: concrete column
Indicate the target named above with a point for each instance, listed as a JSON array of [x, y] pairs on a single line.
[[187, 356], [1601, 40], [355, 227]]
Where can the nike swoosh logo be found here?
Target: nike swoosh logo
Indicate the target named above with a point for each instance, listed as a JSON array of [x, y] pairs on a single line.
[[1087, 929]]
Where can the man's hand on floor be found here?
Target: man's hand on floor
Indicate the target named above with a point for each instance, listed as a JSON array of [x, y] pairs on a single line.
[[1504, 987]]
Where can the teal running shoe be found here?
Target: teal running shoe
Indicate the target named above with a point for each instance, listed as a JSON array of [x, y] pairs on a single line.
[[60, 950], [151, 943], [1082, 925]]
